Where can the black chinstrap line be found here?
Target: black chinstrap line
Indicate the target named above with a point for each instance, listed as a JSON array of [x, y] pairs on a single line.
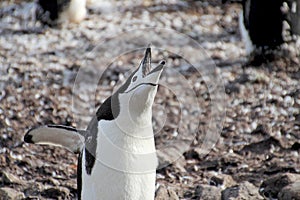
[[152, 84]]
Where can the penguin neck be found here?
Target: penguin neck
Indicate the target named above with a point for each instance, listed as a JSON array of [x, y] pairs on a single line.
[[130, 131], [135, 124], [136, 107]]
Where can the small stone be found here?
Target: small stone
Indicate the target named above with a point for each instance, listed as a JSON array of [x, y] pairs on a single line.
[[33, 189], [272, 186], [177, 22], [163, 193], [55, 192], [207, 192], [245, 190], [222, 180], [54, 181], [34, 163], [232, 88], [262, 147], [288, 101], [290, 192], [10, 194], [11, 179], [228, 19], [172, 195]]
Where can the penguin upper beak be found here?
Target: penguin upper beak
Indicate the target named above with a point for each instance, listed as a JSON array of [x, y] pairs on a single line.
[[150, 76], [146, 62]]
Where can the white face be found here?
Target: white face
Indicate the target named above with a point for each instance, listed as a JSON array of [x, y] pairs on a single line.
[[144, 75], [136, 96]]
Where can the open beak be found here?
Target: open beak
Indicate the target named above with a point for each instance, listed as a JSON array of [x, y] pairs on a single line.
[[144, 74], [150, 76]]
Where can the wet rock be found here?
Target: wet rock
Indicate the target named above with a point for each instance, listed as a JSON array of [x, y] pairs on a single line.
[[10, 194], [207, 192], [290, 192], [164, 193], [272, 186], [244, 190]]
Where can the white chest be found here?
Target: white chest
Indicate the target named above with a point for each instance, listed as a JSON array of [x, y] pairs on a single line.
[[106, 183], [125, 167]]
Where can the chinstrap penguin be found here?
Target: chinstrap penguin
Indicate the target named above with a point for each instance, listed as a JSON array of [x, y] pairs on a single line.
[[117, 156], [261, 24], [52, 12]]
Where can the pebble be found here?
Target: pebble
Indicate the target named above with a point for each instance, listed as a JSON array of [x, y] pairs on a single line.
[[288, 101], [55, 192], [164, 193], [207, 192], [10, 194], [271, 187], [177, 23], [290, 192], [244, 190], [9, 178], [222, 180]]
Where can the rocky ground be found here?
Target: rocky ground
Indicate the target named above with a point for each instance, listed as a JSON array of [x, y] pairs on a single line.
[[235, 125]]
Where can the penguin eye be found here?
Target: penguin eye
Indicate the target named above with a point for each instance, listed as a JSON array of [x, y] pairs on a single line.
[[134, 78]]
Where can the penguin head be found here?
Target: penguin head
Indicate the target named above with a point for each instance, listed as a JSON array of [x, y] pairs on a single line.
[[137, 94]]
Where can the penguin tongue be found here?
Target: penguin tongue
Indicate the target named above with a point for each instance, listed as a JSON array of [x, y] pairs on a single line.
[[146, 66]]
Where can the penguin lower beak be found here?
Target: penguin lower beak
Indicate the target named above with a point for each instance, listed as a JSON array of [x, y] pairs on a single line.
[[153, 76]]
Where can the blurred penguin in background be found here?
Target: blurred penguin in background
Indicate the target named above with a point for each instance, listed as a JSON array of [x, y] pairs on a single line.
[[261, 24], [46, 12], [52, 12]]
